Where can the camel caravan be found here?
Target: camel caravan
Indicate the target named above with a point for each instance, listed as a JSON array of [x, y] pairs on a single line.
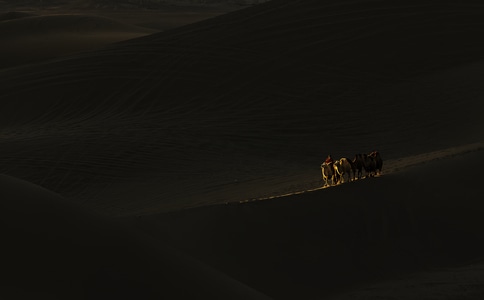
[[347, 170]]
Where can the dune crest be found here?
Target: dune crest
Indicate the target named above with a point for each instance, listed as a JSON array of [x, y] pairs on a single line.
[[28, 39]]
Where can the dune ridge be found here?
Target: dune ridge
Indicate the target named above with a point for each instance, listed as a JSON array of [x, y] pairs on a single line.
[[391, 166], [30, 38], [354, 241]]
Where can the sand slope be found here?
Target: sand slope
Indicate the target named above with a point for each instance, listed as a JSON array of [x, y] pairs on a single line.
[[320, 243], [58, 250]]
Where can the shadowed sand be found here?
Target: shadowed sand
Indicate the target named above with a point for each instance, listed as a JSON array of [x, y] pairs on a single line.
[[13, 15], [58, 250], [47, 30], [401, 229], [28, 39], [217, 106], [399, 232], [151, 136]]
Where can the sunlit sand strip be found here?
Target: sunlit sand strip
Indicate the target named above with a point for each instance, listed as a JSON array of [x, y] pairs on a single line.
[[396, 165]]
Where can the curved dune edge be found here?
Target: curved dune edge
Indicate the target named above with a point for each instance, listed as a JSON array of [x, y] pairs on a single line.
[[33, 39], [59, 250]]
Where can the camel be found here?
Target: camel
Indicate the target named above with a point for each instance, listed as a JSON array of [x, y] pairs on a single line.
[[378, 162], [328, 174], [345, 168]]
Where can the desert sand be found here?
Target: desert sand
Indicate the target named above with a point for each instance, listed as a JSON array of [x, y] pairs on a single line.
[[148, 159], [39, 33], [32, 39]]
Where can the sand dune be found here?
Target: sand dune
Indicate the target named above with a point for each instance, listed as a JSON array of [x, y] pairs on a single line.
[[239, 108], [28, 39], [401, 230], [58, 250]]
